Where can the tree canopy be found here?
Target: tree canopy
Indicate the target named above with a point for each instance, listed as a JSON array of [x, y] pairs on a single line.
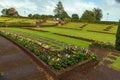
[[75, 17], [60, 12], [9, 12], [88, 16], [117, 44], [94, 15], [97, 14]]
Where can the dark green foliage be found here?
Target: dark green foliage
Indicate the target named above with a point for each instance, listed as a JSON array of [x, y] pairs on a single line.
[[75, 17], [9, 12], [65, 15], [59, 11], [97, 14], [92, 16], [30, 15], [88, 16], [103, 45], [16, 24], [117, 44], [108, 28]]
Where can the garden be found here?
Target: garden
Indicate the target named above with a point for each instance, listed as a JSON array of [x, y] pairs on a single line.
[[64, 47], [57, 60]]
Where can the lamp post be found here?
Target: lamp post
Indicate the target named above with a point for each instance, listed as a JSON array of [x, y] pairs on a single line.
[[24, 13], [107, 16]]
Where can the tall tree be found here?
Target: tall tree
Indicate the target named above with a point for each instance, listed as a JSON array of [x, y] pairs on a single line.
[[59, 11], [75, 17], [97, 14], [117, 44], [4, 12], [9, 12], [65, 15], [88, 16], [30, 15]]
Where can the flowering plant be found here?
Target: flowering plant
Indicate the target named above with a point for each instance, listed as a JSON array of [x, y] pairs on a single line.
[[69, 56]]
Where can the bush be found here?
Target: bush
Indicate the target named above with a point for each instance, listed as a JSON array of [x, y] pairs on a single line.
[[117, 44], [16, 24], [1, 74], [103, 45]]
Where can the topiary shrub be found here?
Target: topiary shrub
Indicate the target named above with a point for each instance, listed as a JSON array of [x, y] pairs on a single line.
[[117, 44]]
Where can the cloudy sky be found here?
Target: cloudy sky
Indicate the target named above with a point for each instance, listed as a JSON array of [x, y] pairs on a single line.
[[25, 7]]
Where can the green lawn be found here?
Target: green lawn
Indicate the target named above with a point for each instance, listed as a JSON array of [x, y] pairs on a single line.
[[35, 35], [83, 33], [90, 26], [116, 64], [7, 19], [48, 23], [73, 25]]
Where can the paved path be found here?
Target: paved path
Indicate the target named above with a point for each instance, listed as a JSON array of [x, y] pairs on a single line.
[[16, 65], [100, 72]]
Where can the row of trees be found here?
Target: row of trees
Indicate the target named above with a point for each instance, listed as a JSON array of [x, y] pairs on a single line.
[[60, 14], [88, 15], [38, 16]]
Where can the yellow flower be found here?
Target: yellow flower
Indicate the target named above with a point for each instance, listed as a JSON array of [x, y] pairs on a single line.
[[58, 59]]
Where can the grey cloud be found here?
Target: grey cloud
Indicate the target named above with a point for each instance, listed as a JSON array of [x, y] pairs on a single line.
[[117, 1]]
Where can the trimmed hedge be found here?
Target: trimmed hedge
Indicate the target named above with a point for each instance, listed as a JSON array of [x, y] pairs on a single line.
[[101, 22], [117, 44], [16, 24], [103, 45]]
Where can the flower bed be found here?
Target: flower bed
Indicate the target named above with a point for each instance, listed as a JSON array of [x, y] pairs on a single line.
[[58, 61], [103, 45]]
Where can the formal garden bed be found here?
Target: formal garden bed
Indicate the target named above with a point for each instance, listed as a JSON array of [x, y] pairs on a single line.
[[101, 32], [81, 38], [108, 28], [57, 63], [35, 29], [69, 28]]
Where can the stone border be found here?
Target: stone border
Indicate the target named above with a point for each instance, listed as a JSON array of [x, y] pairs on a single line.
[[57, 75]]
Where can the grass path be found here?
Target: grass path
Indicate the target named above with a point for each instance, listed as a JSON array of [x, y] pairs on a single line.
[[83, 33], [47, 35]]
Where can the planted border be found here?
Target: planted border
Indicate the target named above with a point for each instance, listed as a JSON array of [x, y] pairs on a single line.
[[58, 64], [104, 45]]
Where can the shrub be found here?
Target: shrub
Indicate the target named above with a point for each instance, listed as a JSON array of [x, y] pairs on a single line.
[[117, 44], [1, 74], [103, 45]]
